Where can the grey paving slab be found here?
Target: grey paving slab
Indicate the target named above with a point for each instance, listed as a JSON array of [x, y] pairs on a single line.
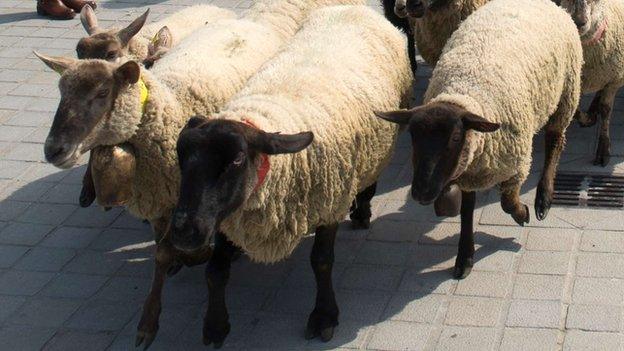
[[45, 312]]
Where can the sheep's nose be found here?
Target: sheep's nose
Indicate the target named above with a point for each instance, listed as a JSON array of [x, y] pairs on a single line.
[[54, 151], [580, 22]]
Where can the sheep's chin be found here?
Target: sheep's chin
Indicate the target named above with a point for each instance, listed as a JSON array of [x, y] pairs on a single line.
[[71, 160]]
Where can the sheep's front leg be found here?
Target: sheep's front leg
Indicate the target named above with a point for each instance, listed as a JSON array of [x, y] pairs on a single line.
[[555, 141], [361, 208], [510, 200], [148, 326], [324, 317], [216, 321], [589, 118], [465, 252], [605, 106]]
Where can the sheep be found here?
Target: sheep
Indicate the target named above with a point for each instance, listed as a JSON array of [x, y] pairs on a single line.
[[286, 155], [114, 44], [601, 25], [148, 108], [513, 67], [152, 42], [434, 23], [404, 25]]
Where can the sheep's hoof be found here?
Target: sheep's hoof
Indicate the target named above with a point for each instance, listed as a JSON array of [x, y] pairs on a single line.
[[462, 269], [523, 216], [144, 338], [320, 324], [215, 335], [543, 201], [603, 153]]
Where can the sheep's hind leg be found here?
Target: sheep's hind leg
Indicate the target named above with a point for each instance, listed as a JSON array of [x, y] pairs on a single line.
[[148, 326], [510, 200], [605, 107], [324, 317], [589, 118], [361, 208], [216, 321], [465, 252]]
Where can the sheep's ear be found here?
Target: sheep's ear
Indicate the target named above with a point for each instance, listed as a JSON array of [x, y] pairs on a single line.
[[195, 122], [162, 39], [56, 63], [132, 29], [276, 143], [128, 73], [401, 117], [478, 123], [88, 19]]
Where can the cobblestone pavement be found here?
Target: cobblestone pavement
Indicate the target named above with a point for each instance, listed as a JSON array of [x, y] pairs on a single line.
[[74, 279]]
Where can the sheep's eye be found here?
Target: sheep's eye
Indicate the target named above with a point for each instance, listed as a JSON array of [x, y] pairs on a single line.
[[102, 94], [111, 55], [240, 158], [456, 138]]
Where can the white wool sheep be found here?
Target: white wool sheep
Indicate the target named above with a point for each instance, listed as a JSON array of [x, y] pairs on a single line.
[[329, 80], [603, 70], [136, 45]]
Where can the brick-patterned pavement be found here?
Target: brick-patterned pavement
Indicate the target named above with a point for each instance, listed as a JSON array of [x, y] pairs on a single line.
[[75, 279]]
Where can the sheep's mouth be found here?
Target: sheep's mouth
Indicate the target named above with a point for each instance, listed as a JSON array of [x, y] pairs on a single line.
[[67, 159]]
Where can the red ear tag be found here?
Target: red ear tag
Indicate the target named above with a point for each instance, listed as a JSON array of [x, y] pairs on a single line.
[[265, 164]]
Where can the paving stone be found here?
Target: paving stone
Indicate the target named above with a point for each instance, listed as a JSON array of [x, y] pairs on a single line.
[[71, 237], [120, 239], [551, 239], [538, 287], [9, 304], [534, 314], [92, 217], [47, 214], [529, 339], [11, 254], [46, 312], [279, 332], [487, 284], [600, 265], [604, 291], [21, 191], [70, 340], [399, 336], [94, 262], [45, 259], [125, 289], [102, 316], [585, 340], [9, 210], [545, 262], [594, 318], [394, 231], [367, 277], [602, 241], [70, 285], [413, 307], [24, 338], [23, 282], [473, 311], [383, 253], [62, 194], [438, 281], [461, 338]]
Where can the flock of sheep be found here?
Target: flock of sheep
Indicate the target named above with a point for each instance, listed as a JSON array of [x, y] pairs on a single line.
[[248, 133]]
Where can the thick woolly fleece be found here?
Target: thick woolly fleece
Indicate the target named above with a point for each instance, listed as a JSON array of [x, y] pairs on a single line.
[[514, 62], [433, 30], [198, 76], [604, 61], [329, 80], [181, 24]]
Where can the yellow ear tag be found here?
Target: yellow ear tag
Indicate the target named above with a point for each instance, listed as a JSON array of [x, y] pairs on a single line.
[[144, 93]]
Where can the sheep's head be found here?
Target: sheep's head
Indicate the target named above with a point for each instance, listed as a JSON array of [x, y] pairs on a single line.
[[439, 149], [218, 160], [587, 14], [88, 89], [110, 45]]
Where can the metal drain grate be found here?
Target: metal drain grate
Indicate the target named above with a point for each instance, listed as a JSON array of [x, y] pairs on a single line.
[[574, 189]]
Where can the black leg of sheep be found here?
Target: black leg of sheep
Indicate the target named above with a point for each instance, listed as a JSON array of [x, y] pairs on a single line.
[[217, 319], [465, 252], [361, 208], [324, 317]]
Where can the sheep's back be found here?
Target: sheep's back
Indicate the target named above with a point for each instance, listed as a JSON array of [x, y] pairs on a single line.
[[344, 64]]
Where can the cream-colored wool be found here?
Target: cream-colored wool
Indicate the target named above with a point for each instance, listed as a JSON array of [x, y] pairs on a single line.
[[604, 61], [198, 76], [346, 63], [514, 62], [434, 29]]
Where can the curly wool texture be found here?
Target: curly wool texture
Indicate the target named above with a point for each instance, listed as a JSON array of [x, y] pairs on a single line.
[[604, 61], [181, 24], [433, 30], [329, 80], [514, 62], [198, 76]]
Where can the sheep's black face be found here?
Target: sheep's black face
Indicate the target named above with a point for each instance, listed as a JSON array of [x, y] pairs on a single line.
[[88, 92], [438, 133], [218, 172]]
